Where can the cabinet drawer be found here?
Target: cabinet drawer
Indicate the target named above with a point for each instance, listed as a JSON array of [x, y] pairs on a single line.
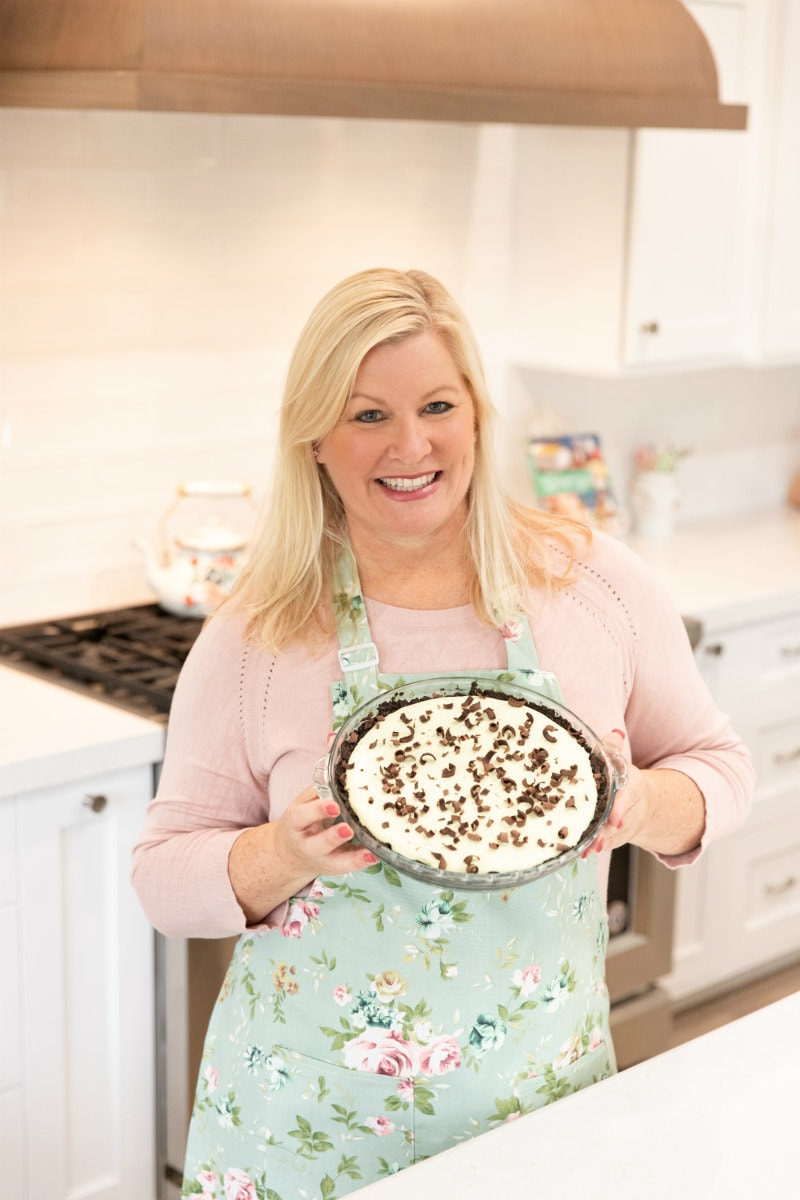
[[753, 659], [773, 886], [777, 756], [781, 651], [761, 917]]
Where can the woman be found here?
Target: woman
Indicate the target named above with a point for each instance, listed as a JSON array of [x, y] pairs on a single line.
[[369, 1020]]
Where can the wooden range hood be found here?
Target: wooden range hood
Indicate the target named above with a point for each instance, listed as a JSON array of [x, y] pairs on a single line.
[[552, 62]]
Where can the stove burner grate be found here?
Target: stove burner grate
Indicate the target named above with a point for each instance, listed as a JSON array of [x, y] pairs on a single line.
[[130, 656]]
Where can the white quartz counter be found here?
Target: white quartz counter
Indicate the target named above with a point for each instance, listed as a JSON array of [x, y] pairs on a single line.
[[50, 735], [732, 570], [714, 1119]]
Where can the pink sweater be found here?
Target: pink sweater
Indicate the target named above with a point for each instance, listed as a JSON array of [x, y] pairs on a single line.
[[246, 727]]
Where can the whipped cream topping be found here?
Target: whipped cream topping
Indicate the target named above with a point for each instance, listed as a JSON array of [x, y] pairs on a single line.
[[470, 783]]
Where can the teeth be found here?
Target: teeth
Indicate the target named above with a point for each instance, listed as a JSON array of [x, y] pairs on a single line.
[[398, 484]]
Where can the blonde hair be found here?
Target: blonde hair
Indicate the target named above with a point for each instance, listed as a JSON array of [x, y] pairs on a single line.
[[287, 584]]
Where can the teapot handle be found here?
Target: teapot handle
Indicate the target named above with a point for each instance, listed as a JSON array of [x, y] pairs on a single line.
[[205, 487]]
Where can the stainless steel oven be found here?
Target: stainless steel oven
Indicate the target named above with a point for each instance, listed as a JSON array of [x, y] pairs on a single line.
[[641, 907]]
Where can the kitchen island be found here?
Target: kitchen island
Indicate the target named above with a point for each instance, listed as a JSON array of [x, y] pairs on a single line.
[[714, 1119]]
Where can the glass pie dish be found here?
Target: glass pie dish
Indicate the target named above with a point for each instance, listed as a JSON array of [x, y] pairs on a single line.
[[607, 764]]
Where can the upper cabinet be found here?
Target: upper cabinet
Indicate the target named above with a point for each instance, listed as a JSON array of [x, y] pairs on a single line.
[[669, 248], [688, 219], [780, 334]]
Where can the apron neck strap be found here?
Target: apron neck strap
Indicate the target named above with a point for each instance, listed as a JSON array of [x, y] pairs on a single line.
[[357, 650]]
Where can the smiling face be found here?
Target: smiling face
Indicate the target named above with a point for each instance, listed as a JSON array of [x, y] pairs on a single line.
[[402, 453]]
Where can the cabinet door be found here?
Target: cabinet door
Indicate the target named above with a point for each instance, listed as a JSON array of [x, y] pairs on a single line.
[[782, 292], [698, 957], [12, 1144], [762, 924], [688, 239], [10, 1006], [88, 993]]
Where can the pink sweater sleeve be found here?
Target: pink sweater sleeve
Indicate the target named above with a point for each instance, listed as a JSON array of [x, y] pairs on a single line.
[[209, 791], [671, 718]]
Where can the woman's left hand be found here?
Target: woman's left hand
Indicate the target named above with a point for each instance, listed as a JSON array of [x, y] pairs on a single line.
[[629, 811], [660, 809]]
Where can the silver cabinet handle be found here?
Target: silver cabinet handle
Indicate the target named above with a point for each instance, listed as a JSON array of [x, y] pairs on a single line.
[[649, 327], [95, 803], [715, 648], [778, 889], [790, 651]]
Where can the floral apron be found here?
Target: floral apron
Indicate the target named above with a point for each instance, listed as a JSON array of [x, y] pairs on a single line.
[[394, 1019]]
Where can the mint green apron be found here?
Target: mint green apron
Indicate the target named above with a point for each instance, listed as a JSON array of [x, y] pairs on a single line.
[[393, 1019]]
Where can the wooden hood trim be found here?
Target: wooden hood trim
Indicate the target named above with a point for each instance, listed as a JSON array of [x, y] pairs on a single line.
[[574, 62]]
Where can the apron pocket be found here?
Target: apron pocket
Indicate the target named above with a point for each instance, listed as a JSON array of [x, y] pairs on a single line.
[[555, 1082], [362, 1121]]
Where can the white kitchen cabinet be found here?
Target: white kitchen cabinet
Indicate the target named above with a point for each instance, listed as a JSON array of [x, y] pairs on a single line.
[[738, 909], [781, 330], [638, 248], [12, 1149], [82, 1116], [688, 260]]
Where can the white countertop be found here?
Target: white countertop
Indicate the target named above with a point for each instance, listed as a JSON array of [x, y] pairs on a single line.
[[714, 1119], [728, 571], [52, 734]]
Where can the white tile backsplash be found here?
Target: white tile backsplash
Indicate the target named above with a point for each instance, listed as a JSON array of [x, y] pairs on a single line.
[[125, 139], [46, 136], [155, 270]]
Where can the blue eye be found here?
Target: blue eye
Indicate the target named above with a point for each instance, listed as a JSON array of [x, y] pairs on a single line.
[[438, 406], [370, 416]]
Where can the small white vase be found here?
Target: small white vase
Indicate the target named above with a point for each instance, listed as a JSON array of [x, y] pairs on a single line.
[[655, 503]]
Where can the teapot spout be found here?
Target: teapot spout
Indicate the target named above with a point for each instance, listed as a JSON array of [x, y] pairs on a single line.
[[152, 565]]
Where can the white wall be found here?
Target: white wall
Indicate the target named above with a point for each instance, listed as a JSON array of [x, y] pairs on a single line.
[[155, 270]]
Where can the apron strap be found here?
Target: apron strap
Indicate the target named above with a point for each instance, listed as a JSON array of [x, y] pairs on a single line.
[[520, 646], [358, 654], [357, 651]]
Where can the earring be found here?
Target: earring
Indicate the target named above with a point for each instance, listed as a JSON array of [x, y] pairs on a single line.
[[315, 449]]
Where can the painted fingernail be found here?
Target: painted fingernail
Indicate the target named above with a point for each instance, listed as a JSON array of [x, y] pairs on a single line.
[[370, 859], [332, 810], [600, 845], [343, 832], [620, 733]]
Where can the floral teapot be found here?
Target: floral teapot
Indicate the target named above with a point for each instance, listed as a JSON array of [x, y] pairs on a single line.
[[193, 578]]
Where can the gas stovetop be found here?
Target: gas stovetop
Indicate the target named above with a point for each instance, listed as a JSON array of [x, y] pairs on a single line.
[[130, 657]]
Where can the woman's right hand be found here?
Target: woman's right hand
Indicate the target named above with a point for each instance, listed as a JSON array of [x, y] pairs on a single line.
[[309, 839], [272, 862]]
